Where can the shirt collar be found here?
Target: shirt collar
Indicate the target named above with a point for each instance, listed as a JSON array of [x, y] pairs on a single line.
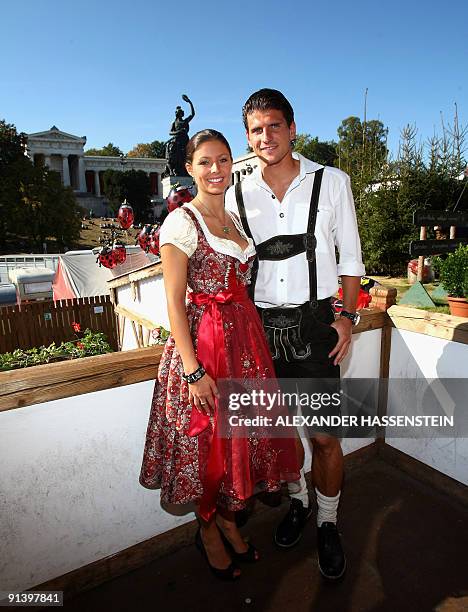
[[307, 166]]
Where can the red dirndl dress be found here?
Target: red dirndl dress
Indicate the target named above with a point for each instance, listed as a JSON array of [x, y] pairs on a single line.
[[183, 456]]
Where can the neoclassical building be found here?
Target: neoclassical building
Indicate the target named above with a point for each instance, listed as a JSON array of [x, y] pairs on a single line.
[[64, 153]]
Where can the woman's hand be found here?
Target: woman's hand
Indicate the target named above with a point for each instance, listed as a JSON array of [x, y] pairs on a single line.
[[202, 394]]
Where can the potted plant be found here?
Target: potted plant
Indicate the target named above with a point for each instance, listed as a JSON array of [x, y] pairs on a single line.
[[453, 272]]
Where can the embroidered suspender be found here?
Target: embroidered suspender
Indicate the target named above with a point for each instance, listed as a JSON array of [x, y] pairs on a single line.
[[288, 245]]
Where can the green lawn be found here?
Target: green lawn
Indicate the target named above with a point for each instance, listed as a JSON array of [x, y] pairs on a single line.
[[402, 285]]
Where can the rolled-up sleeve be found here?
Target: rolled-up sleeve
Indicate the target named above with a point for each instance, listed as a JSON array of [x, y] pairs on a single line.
[[346, 233]]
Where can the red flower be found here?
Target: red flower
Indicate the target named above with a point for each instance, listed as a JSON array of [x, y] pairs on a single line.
[[80, 345], [156, 333], [76, 326]]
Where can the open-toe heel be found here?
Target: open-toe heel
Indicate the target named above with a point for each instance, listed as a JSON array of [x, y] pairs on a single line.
[[228, 574], [249, 556]]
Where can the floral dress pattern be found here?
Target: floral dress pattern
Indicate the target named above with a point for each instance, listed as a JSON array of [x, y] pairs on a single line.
[[175, 460]]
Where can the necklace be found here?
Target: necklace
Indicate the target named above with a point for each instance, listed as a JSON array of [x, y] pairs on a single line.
[[226, 230]]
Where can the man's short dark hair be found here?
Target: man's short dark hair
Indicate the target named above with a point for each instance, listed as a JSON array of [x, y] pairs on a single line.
[[267, 99]]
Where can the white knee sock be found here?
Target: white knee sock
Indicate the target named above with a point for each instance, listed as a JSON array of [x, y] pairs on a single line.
[[327, 508], [298, 490]]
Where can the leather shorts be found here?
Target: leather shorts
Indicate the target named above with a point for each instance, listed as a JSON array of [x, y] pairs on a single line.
[[299, 334]]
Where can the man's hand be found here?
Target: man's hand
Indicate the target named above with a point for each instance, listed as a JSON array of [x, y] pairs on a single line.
[[344, 328]]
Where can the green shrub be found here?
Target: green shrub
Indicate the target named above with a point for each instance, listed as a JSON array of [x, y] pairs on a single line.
[[453, 272], [90, 343]]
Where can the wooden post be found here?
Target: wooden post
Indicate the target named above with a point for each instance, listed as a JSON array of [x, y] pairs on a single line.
[[422, 236], [383, 297], [453, 231]]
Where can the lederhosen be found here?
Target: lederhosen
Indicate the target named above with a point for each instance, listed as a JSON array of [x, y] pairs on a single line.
[[300, 338]]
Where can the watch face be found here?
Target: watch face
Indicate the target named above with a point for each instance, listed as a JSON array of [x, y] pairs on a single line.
[[354, 317]]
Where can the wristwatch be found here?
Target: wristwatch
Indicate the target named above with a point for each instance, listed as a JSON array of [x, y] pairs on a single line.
[[354, 317]]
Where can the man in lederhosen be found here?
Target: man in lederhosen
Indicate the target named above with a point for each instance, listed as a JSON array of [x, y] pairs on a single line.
[[297, 212]]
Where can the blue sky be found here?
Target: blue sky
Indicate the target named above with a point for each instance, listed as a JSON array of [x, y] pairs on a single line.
[[114, 71]]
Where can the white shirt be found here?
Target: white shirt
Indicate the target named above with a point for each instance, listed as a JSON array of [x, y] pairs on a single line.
[[286, 282], [179, 229]]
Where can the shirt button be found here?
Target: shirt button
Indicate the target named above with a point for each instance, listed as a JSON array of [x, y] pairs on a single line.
[[274, 197], [281, 279], [281, 215]]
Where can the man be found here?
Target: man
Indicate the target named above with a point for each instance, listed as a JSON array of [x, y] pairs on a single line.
[[283, 204]]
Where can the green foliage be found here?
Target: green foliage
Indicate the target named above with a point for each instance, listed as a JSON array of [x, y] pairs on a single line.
[[160, 335], [387, 192], [91, 343], [133, 185], [453, 272], [109, 150], [34, 205], [47, 209], [322, 152], [157, 148], [12, 144], [362, 152]]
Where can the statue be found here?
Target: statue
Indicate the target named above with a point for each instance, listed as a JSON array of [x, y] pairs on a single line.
[[175, 146]]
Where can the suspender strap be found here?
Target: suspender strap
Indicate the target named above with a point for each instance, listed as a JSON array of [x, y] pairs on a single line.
[[311, 242], [285, 246], [241, 208], [245, 225]]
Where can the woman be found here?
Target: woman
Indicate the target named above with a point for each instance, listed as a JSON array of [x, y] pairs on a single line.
[[217, 335]]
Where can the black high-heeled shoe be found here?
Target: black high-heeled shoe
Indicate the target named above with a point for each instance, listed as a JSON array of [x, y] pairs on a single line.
[[222, 574], [246, 557]]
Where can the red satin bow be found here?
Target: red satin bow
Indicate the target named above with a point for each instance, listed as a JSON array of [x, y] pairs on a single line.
[[211, 352]]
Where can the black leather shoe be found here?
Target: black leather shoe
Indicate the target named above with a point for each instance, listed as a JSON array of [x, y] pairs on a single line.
[[289, 531], [331, 558]]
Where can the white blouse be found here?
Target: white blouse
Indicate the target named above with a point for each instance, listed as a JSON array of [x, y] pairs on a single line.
[[179, 229]]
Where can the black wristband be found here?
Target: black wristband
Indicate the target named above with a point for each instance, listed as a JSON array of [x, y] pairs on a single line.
[[194, 376], [354, 317]]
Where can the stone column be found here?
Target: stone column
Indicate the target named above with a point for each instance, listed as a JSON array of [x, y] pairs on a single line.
[[66, 171], [81, 175], [97, 186], [47, 160]]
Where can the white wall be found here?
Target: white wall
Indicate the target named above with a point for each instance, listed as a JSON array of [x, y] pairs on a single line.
[[69, 490], [151, 304], [415, 355]]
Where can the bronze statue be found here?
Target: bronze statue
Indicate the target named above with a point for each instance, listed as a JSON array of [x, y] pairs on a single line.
[[175, 146]]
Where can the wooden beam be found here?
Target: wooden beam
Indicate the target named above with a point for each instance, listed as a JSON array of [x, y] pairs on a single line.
[[146, 272], [130, 314], [435, 324], [435, 247], [371, 318], [27, 386]]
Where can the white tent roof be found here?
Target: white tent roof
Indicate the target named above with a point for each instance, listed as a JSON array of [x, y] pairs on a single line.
[[85, 276]]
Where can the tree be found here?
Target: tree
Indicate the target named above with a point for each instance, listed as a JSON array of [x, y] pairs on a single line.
[[12, 149], [110, 150], [133, 185], [362, 152], [34, 205], [47, 209], [322, 152], [12, 144], [423, 176], [157, 148]]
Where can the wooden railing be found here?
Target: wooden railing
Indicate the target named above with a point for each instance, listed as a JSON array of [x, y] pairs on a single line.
[[53, 381], [41, 323]]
